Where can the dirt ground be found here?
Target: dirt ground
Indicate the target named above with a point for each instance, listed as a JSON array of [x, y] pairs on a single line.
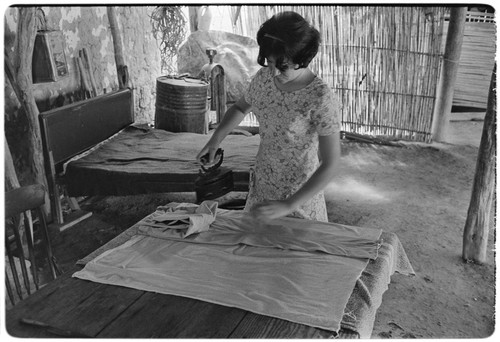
[[421, 192]]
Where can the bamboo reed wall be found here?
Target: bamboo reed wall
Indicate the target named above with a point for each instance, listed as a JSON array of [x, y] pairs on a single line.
[[476, 60], [382, 61]]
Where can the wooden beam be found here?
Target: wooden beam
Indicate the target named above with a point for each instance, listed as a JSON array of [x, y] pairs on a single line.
[[449, 70], [121, 68], [88, 65], [11, 180], [475, 239], [21, 69]]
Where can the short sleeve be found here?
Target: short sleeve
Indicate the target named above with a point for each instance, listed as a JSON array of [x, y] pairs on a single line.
[[249, 96], [326, 116]]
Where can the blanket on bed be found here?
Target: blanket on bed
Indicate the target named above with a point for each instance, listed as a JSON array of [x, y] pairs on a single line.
[[141, 160]]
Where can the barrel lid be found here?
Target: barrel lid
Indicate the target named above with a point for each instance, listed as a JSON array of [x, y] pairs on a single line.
[[183, 81]]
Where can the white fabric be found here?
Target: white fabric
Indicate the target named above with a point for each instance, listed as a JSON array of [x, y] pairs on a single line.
[[236, 227], [186, 219], [304, 284]]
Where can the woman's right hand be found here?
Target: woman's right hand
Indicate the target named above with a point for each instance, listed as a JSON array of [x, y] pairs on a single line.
[[232, 118], [207, 155]]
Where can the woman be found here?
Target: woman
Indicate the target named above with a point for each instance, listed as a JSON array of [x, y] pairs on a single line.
[[297, 115]]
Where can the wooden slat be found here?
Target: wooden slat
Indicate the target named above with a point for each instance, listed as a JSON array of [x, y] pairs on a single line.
[[113, 300], [93, 299], [258, 326], [476, 64], [180, 317]]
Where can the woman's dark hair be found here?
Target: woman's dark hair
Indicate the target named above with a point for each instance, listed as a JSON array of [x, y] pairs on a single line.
[[287, 35]]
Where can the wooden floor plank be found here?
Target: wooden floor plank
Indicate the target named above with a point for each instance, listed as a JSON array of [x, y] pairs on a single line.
[[71, 304], [165, 316], [97, 311]]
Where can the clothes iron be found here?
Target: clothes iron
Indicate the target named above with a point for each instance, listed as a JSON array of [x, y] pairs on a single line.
[[214, 181]]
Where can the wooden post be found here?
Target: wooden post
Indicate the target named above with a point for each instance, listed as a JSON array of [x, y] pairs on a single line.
[[121, 68], [449, 70], [476, 229], [21, 70], [218, 91], [84, 78], [88, 66], [11, 181]]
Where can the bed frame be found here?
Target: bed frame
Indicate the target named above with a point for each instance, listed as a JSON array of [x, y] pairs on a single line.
[[72, 129]]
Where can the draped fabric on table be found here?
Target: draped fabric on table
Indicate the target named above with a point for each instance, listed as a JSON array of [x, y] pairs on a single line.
[[297, 270]]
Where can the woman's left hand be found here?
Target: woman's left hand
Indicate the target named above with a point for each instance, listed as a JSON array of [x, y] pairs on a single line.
[[269, 210]]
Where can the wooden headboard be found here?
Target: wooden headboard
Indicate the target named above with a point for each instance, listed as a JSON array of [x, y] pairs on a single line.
[[73, 129], [70, 130]]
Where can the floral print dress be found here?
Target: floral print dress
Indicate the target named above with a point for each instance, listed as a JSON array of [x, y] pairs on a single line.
[[289, 126]]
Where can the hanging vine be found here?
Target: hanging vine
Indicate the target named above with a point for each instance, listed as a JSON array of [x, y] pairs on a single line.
[[169, 29]]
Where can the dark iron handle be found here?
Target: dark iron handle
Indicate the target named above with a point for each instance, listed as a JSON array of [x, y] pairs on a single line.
[[204, 160]]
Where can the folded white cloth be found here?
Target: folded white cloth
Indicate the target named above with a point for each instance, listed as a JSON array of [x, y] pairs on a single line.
[[237, 227], [187, 217]]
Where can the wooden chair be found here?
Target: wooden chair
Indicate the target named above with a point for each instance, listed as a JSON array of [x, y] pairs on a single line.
[[25, 217]]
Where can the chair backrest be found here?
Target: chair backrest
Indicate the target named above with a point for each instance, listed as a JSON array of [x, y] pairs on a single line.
[[25, 224]]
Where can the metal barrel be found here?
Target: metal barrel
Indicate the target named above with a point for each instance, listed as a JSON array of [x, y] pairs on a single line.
[[181, 104]]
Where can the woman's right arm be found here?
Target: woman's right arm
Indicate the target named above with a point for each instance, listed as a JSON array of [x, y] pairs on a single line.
[[232, 118]]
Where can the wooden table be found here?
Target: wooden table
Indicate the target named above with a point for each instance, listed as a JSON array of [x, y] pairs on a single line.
[[97, 310], [93, 309]]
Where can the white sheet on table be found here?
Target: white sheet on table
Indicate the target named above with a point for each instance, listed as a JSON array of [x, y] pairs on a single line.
[[307, 287]]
